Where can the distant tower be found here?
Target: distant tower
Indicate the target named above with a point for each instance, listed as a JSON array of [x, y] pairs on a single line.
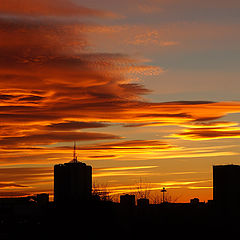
[[163, 192], [72, 181]]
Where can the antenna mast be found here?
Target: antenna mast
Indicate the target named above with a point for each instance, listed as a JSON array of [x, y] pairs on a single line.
[[74, 153]]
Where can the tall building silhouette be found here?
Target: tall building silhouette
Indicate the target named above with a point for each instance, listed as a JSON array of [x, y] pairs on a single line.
[[72, 181], [226, 186]]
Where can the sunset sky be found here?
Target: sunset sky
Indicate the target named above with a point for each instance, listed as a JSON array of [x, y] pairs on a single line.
[[148, 89]]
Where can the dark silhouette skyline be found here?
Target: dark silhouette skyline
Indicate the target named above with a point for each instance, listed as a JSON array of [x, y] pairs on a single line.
[[149, 88], [135, 87], [75, 209]]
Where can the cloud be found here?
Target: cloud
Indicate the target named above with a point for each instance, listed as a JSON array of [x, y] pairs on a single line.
[[31, 99], [188, 102], [54, 137], [11, 185], [130, 145], [122, 150], [22, 174], [208, 134], [12, 193], [53, 81], [50, 85], [147, 8], [210, 131], [152, 37], [167, 115], [22, 181], [48, 8], [74, 125]]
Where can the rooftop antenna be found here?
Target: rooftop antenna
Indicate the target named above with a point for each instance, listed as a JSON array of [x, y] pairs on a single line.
[[74, 153]]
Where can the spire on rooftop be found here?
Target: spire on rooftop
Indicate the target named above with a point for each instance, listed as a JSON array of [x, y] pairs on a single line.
[[74, 160]]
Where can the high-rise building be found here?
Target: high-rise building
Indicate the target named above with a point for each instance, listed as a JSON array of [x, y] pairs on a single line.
[[226, 186], [72, 182]]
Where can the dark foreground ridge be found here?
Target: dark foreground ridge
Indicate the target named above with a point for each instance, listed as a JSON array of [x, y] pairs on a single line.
[[40, 219]]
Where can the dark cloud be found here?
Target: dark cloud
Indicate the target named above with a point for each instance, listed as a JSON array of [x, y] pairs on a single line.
[[29, 43], [162, 123], [203, 119], [7, 185], [14, 180], [209, 133], [24, 170], [131, 144], [188, 102], [167, 115], [74, 125], [14, 193], [136, 88], [6, 97], [33, 116], [12, 155], [138, 124], [20, 175], [47, 8], [54, 137], [31, 99], [210, 130]]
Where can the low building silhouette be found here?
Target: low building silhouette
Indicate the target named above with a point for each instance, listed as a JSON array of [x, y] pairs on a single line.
[[143, 202], [127, 200], [42, 199]]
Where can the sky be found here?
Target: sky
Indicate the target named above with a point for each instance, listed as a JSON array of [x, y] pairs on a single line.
[[148, 89]]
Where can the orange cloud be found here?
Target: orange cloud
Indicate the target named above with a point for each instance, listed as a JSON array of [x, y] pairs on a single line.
[[43, 138], [74, 125], [130, 145], [208, 134], [153, 37], [47, 8], [208, 131], [123, 171], [22, 181], [47, 85]]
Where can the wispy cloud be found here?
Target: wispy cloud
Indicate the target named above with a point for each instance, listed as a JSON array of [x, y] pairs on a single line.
[[23, 181], [209, 131], [123, 171]]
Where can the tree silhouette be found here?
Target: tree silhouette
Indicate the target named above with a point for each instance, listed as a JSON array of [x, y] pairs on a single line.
[[101, 192]]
